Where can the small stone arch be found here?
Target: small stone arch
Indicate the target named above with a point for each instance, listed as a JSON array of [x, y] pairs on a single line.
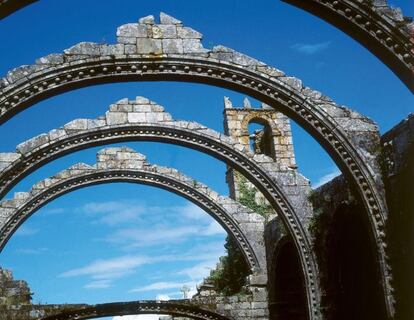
[[126, 165], [144, 120], [168, 51], [173, 308]]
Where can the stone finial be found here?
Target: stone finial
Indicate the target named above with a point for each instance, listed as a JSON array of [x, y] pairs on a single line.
[[246, 103], [266, 106], [147, 20], [167, 19], [227, 103]]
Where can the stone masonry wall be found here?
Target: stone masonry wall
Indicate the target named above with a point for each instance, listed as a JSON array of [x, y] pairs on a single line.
[[398, 163], [15, 300]]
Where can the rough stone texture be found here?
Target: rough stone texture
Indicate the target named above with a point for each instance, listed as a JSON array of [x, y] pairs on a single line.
[[15, 300], [398, 163], [280, 146], [273, 148]]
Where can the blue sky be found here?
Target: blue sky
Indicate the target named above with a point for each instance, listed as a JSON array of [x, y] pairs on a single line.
[[67, 251]]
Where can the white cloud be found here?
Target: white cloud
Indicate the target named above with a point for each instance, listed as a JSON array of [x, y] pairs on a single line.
[[310, 49], [191, 211], [200, 270], [25, 231], [32, 251], [213, 228], [108, 269], [327, 177], [162, 297], [98, 284], [162, 234], [52, 211], [114, 212], [157, 286]]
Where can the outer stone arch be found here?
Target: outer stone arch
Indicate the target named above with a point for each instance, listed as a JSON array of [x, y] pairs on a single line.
[[174, 308], [144, 120], [126, 165], [171, 52], [7, 7], [380, 28]]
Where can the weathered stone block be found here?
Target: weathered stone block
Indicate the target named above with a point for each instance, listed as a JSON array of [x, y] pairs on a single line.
[[113, 49], [76, 125], [172, 46], [9, 156], [86, 48], [56, 134], [147, 20], [149, 46], [53, 58], [188, 33], [193, 46], [133, 30], [130, 49], [33, 143], [113, 118], [136, 117], [167, 32], [167, 19], [127, 40]]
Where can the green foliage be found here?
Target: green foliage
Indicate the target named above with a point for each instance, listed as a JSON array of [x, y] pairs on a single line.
[[248, 197], [230, 275]]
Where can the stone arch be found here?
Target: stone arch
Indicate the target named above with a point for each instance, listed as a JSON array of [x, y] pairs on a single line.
[[173, 308], [141, 120], [7, 7], [382, 29], [126, 165], [171, 52]]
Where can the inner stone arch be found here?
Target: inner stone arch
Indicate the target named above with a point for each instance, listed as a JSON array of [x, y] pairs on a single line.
[[173, 308], [126, 165]]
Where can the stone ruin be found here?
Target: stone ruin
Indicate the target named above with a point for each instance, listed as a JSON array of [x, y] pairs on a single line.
[[346, 243]]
